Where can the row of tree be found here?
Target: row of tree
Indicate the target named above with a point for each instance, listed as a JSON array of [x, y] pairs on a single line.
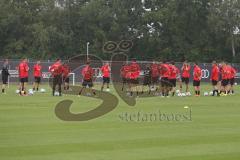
[[171, 29]]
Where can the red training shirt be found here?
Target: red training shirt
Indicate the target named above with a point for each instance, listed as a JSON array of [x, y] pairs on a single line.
[[106, 71], [197, 73], [37, 70], [186, 71], [87, 73], [23, 70], [215, 73]]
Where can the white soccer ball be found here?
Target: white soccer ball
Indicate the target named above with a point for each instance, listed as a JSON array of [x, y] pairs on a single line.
[[30, 92], [235, 83], [211, 93], [17, 91], [56, 94], [42, 90], [205, 94], [108, 90], [183, 94]]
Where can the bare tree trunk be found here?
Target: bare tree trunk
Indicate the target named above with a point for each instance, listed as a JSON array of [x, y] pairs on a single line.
[[233, 46]]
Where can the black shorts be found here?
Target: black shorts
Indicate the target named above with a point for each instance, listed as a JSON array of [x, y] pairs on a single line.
[[173, 82], [5, 79], [24, 80], [88, 83], [106, 79], [214, 82], [196, 83], [232, 81], [66, 79], [155, 80], [125, 80], [225, 82], [134, 81], [185, 80], [57, 80], [147, 80], [37, 79], [165, 82]]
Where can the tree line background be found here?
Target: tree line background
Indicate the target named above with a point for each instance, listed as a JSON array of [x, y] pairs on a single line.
[[200, 30]]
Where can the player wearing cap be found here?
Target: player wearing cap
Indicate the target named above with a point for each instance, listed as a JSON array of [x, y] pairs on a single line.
[[87, 73], [197, 76], [105, 69], [5, 74], [23, 75], [66, 73], [174, 72], [57, 70], [37, 73], [215, 78], [185, 76]]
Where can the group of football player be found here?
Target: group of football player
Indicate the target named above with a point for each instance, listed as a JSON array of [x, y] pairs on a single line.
[[161, 77]]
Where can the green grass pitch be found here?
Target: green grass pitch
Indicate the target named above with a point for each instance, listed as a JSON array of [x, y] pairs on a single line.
[[29, 129]]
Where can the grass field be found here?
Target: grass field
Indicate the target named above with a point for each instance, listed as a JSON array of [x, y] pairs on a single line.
[[29, 130]]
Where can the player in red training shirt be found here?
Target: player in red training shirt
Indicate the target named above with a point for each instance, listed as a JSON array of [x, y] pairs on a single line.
[[225, 73], [164, 70], [65, 76], [87, 73], [106, 70], [125, 74], [57, 70], [197, 76], [215, 78], [174, 73], [185, 76], [37, 73], [232, 79], [134, 77], [154, 74], [23, 75]]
